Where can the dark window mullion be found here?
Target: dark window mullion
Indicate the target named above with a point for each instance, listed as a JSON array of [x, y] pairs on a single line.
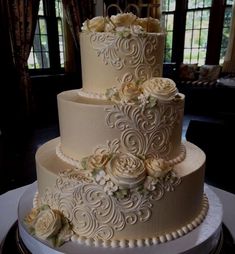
[[34, 58], [179, 31], [200, 37], [215, 35], [52, 31]]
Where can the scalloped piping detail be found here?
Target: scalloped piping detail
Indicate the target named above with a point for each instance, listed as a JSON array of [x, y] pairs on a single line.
[[77, 163], [148, 241], [92, 95]]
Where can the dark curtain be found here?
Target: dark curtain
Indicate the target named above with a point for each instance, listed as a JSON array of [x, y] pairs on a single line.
[[22, 18], [76, 12]]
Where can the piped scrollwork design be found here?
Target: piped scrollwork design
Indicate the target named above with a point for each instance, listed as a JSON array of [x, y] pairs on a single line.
[[133, 54], [97, 215], [145, 131]]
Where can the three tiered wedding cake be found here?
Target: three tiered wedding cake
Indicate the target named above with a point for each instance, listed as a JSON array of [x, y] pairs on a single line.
[[119, 175]]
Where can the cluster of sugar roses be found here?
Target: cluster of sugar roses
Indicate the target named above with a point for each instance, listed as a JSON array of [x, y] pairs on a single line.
[[49, 224], [120, 173], [122, 22], [147, 92]]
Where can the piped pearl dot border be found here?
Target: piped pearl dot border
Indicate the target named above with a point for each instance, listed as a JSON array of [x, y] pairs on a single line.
[[77, 163]]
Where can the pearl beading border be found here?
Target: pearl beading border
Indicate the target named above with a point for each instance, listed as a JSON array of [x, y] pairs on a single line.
[[91, 95], [77, 164]]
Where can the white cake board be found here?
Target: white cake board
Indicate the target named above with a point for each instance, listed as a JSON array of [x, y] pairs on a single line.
[[202, 239]]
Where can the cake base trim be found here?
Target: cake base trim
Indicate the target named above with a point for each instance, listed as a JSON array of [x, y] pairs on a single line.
[[202, 239], [148, 241]]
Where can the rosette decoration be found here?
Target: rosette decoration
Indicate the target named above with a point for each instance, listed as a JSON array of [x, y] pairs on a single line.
[[126, 170], [49, 224], [129, 93], [122, 173], [157, 167], [161, 88], [146, 93]]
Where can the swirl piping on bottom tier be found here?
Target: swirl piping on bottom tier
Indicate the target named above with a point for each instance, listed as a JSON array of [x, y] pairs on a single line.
[[148, 241]]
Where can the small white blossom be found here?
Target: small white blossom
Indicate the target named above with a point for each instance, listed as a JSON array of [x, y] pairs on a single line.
[[101, 177], [110, 187], [150, 183], [137, 29], [143, 99]]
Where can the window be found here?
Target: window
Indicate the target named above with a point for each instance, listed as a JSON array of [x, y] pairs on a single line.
[[191, 33], [226, 29], [47, 52], [168, 11], [196, 31]]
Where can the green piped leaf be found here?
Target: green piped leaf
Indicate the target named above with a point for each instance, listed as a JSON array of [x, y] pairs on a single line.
[[152, 101]]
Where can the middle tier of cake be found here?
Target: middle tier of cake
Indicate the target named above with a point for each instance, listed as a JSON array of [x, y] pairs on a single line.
[[88, 124]]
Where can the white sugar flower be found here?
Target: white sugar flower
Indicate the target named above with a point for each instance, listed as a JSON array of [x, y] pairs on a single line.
[[110, 187], [143, 99], [150, 183], [123, 19], [48, 223], [97, 161], [161, 88], [96, 24], [157, 167], [101, 177], [136, 29], [149, 24], [129, 92], [126, 170]]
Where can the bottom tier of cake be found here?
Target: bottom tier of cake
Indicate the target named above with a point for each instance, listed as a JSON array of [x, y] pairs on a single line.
[[203, 239], [141, 217]]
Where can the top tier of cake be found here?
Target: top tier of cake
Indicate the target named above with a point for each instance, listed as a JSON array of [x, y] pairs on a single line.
[[119, 49]]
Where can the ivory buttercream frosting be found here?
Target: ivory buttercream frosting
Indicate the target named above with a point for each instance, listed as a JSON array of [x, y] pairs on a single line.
[[119, 175]]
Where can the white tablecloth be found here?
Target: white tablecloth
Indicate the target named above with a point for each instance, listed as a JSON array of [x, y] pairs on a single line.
[[9, 204]]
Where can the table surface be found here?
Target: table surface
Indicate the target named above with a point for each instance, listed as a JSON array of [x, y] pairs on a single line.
[[9, 205]]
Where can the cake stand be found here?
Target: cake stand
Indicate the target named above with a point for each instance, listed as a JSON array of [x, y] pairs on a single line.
[[206, 238]]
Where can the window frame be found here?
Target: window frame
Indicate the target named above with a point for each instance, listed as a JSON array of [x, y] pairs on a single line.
[[214, 35], [53, 41]]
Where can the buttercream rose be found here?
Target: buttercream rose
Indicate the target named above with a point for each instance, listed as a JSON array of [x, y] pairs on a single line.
[[47, 224], [97, 24], [150, 24], [97, 161], [126, 170], [162, 88], [123, 19], [31, 217], [129, 92], [157, 167]]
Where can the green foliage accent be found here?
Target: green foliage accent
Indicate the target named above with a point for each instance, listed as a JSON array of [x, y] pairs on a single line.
[[124, 34], [122, 193], [44, 207], [84, 163], [152, 102]]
